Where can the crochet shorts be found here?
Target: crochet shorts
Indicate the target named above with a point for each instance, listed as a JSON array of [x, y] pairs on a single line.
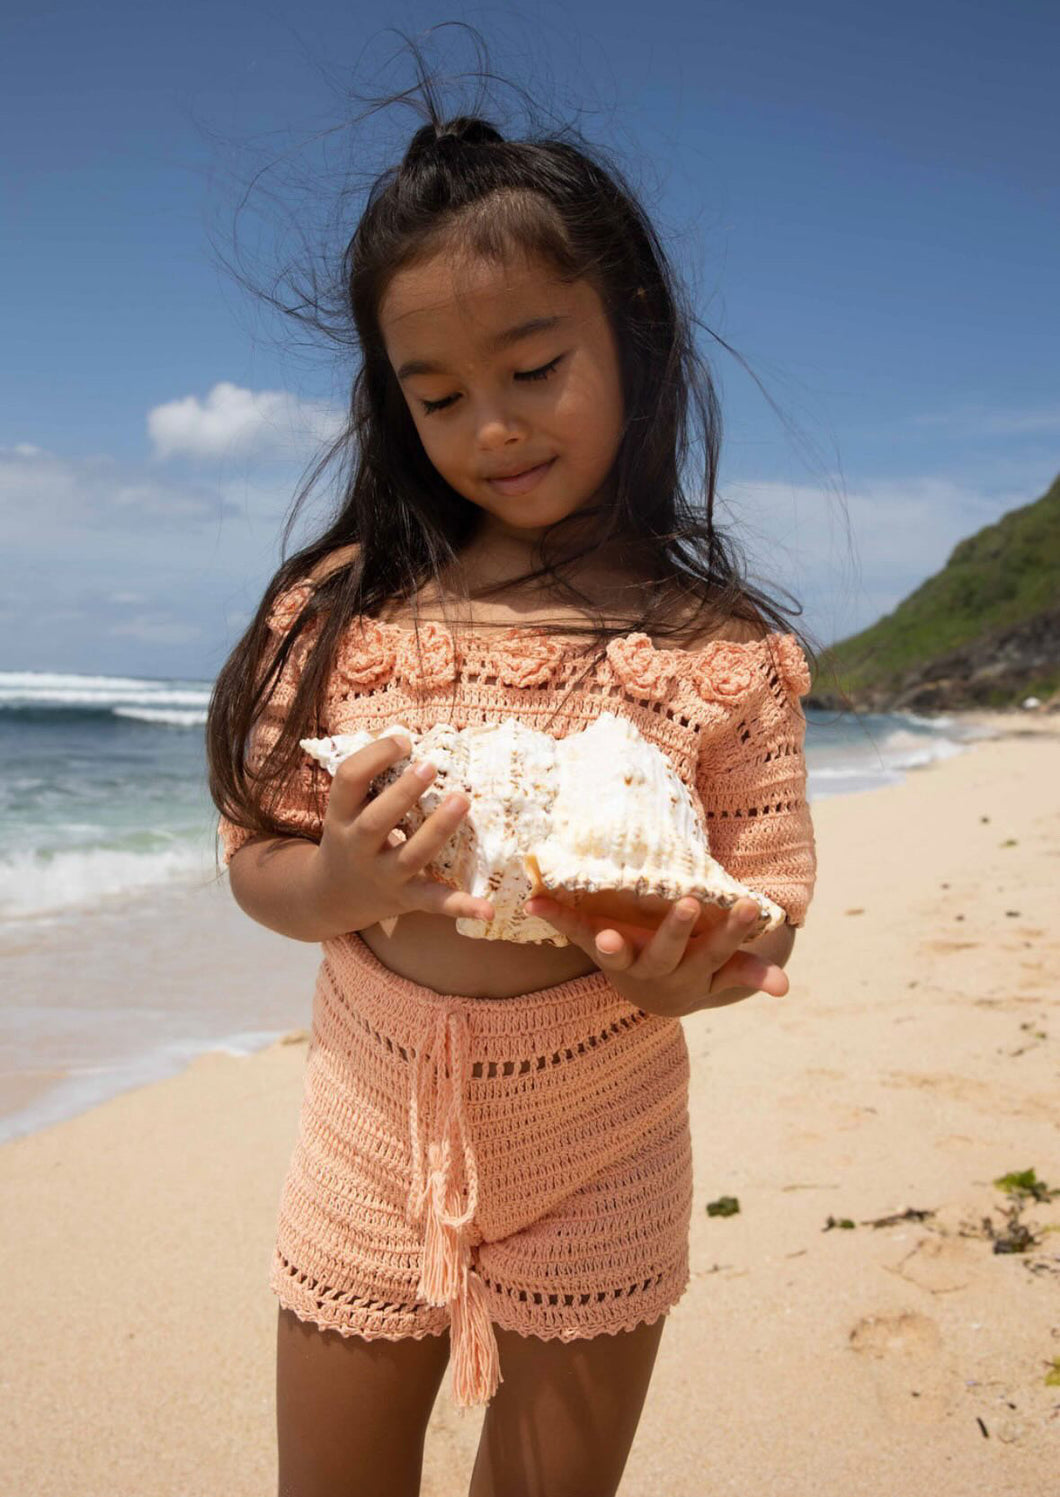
[[467, 1163]]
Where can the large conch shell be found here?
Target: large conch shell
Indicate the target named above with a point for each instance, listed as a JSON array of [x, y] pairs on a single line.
[[598, 819]]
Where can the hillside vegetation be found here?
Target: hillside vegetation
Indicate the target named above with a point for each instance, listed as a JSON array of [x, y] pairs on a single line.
[[982, 632]]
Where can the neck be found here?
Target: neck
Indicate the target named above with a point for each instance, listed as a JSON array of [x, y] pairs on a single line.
[[497, 552]]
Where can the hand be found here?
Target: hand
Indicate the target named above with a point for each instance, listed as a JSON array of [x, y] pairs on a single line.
[[663, 971], [363, 871]]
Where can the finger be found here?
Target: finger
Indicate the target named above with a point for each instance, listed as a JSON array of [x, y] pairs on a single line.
[[607, 946], [380, 817], [610, 941], [613, 952], [564, 919], [666, 949], [724, 938], [745, 970], [428, 839], [352, 779], [436, 898]]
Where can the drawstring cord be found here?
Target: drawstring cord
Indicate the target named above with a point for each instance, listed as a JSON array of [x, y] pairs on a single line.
[[438, 1126]]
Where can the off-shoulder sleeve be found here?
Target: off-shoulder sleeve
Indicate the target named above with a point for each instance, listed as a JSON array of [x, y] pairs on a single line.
[[294, 802], [751, 782]]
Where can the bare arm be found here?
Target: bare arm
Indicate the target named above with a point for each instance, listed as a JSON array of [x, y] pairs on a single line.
[[272, 880]]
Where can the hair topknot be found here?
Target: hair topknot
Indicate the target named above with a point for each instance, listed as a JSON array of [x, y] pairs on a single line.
[[455, 134]]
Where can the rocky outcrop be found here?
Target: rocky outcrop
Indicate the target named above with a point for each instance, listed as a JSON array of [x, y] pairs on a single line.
[[999, 669]]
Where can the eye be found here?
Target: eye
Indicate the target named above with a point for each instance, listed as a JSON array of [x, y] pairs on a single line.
[[542, 373], [429, 406]]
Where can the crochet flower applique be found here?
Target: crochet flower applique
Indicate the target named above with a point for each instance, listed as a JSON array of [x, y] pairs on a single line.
[[645, 671], [288, 606], [440, 660], [519, 658], [367, 655], [722, 671], [791, 664]]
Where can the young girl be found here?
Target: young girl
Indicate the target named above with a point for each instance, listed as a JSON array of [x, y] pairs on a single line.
[[494, 1159]]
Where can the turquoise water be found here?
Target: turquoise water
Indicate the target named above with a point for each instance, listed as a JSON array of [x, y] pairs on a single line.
[[103, 787], [123, 958]]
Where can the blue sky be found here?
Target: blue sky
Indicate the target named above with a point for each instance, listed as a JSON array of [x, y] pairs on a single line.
[[863, 198]]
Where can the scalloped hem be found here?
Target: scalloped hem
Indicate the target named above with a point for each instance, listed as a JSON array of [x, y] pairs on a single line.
[[309, 1317], [541, 1333], [589, 1332], [374, 1318]]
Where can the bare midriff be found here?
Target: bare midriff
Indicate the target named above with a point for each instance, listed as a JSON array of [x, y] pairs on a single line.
[[428, 949]]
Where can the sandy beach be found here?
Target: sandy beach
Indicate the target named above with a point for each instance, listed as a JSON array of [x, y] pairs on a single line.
[[852, 1329]]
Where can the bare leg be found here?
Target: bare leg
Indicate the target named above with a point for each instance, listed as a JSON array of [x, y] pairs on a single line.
[[351, 1415], [562, 1422]]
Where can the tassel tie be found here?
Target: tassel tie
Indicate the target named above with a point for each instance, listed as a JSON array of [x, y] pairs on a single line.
[[440, 1135]]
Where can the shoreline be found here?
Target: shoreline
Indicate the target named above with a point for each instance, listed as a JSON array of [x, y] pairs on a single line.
[[48, 1092], [913, 1063]]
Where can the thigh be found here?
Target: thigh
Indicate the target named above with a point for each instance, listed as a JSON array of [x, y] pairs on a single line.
[[351, 1414], [562, 1422]]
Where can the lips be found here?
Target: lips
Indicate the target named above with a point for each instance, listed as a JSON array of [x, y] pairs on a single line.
[[523, 481], [518, 472]]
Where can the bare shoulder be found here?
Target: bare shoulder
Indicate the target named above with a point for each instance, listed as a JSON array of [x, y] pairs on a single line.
[[334, 562], [707, 625], [734, 631]]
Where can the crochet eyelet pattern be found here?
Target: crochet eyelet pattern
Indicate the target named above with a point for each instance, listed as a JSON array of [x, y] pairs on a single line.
[[427, 1159]]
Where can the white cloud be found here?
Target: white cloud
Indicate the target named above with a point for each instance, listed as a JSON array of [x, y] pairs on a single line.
[[901, 531], [42, 494], [234, 422], [125, 569]]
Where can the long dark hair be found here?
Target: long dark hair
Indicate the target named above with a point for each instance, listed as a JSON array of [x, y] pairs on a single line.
[[462, 188]]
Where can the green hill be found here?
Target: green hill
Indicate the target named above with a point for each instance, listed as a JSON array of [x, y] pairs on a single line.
[[982, 632]]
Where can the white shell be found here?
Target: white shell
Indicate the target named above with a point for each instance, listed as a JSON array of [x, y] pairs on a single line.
[[602, 809]]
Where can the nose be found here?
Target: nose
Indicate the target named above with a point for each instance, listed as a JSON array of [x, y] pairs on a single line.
[[497, 426]]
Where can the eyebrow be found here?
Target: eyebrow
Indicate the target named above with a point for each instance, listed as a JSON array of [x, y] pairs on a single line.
[[499, 340]]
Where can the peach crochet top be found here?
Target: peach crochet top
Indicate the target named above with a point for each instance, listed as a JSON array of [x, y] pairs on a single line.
[[727, 716]]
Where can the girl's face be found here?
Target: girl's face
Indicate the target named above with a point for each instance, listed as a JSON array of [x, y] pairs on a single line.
[[506, 369]]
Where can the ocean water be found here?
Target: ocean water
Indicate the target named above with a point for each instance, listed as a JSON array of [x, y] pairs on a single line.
[[107, 841]]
